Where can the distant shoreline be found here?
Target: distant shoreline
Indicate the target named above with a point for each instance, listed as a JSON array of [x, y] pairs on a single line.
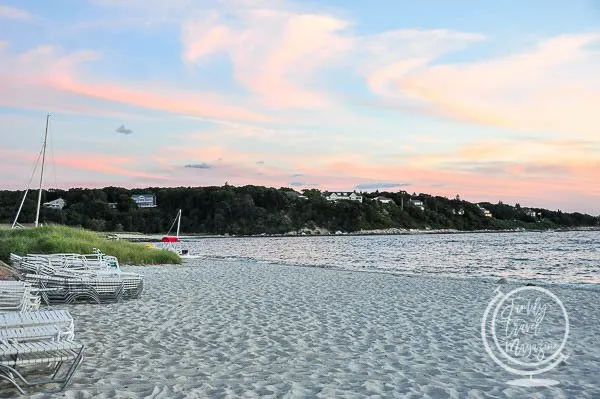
[[132, 236]]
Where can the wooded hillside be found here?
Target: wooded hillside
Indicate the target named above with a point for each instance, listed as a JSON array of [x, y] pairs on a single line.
[[257, 210]]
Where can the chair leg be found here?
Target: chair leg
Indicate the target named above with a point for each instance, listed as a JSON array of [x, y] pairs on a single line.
[[78, 360], [56, 369], [6, 373]]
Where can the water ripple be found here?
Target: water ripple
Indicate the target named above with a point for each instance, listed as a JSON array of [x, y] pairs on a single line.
[[551, 257]]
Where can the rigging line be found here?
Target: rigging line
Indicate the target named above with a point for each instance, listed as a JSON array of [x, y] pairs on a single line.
[[35, 165], [171, 228]]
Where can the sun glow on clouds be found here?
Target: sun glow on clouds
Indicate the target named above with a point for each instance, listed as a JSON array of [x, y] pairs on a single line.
[[534, 107], [552, 87], [273, 52], [66, 169], [104, 165], [39, 73]]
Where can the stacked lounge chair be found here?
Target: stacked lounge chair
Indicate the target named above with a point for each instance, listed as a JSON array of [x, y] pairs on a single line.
[[35, 342], [18, 296], [68, 278], [95, 261]]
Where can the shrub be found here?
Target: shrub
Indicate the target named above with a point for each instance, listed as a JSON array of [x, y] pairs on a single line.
[[62, 239]]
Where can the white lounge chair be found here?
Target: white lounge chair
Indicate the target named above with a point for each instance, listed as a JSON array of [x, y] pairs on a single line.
[[72, 288], [18, 296], [68, 278], [95, 261], [15, 358], [40, 340], [30, 333], [60, 319]]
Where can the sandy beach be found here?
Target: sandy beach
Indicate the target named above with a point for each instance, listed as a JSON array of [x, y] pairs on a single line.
[[216, 329]]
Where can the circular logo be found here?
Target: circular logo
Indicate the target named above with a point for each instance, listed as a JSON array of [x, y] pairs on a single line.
[[527, 331]]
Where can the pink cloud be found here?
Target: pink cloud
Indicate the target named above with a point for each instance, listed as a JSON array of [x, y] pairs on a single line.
[[274, 53], [42, 77], [553, 87], [70, 163], [105, 164], [532, 151], [516, 181], [179, 101], [395, 53]]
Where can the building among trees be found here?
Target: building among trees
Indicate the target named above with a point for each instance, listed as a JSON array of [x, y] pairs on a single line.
[[144, 200]]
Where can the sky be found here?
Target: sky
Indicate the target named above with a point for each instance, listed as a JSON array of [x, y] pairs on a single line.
[[493, 101]]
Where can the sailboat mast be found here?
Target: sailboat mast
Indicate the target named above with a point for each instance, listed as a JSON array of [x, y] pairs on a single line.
[[39, 201], [178, 222]]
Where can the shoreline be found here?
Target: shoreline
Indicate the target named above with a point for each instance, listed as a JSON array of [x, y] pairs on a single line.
[[493, 280], [141, 237]]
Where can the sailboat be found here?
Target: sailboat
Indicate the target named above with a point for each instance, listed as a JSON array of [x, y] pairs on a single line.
[[172, 243], [39, 201]]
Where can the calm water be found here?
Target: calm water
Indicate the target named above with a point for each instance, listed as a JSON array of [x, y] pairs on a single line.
[[557, 257]]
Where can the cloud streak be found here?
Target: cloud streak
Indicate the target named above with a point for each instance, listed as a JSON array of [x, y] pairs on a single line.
[[16, 14], [46, 76], [199, 166], [553, 86], [379, 185]]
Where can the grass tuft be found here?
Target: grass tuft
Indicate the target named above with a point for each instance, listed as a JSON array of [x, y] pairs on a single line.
[[62, 239]]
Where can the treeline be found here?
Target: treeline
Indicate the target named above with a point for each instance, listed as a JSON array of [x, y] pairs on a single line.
[[256, 210]]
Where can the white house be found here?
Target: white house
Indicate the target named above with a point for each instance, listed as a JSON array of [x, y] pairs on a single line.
[[532, 213], [486, 212], [144, 200], [418, 203], [384, 200], [56, 204], [459, 211], [344, 195]]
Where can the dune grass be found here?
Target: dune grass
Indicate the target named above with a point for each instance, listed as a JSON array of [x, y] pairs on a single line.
[[62, 239]]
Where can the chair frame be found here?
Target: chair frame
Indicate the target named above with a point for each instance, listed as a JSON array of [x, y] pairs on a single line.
[[13, 355]]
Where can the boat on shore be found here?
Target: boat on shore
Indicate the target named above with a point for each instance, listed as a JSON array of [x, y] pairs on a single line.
[[173, 243]]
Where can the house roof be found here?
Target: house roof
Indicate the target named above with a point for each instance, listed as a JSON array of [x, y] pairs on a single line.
[[344, 193], [55, 201]]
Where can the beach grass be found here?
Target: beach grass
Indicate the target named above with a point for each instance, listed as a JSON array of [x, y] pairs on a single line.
[[62, 239]]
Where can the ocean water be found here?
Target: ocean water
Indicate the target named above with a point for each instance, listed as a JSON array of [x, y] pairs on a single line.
[[560, 257]]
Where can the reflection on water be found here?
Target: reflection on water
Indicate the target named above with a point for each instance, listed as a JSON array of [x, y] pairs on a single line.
[[565, 257]]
